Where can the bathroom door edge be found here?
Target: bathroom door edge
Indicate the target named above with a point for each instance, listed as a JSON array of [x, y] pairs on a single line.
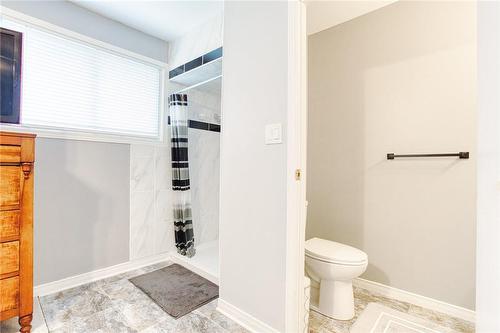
[[296, 167]]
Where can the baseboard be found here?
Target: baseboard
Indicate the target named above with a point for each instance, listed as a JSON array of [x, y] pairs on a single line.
[[423, 301], [184, 261], [77, 280], [244, 319]]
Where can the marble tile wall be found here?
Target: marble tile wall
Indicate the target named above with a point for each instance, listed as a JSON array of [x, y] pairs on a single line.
[[151, 223], [205, 102], [204, 173], [203, 39]]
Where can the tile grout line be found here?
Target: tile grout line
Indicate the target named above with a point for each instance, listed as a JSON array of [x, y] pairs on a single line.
[[329, 324], [97, 287], [210, 319], [71, 321], [43, 313]]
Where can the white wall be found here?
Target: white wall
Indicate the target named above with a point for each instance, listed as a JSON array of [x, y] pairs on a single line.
[[253, 175], [488, 170], [400, 79]]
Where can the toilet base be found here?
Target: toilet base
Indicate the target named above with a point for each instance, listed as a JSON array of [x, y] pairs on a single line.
[[336, 299]]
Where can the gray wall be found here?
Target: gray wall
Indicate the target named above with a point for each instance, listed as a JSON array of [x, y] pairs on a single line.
[[400, 79], [81, 20], [253, 175], [81, 207]]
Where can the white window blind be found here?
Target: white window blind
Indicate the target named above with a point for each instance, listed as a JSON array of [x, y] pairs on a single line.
[[72, 85]]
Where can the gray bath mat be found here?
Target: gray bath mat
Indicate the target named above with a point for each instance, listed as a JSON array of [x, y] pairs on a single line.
[[176, 289]]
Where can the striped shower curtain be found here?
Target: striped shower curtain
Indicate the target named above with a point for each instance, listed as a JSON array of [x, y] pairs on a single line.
[[183, 222]]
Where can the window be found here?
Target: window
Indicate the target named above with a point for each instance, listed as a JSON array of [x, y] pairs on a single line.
[[71, 85], [10, 80]]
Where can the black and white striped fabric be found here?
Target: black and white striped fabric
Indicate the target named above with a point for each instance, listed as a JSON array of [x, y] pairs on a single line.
[[183, 222]]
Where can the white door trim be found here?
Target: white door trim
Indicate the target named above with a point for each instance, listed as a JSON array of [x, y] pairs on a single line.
[[488, 166], [416, 299], [243, 318], [296, 159]]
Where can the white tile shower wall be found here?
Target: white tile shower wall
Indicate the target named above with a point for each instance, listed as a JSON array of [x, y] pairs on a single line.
[[205, 102], [205, 38], [204, 173], [151, 223]]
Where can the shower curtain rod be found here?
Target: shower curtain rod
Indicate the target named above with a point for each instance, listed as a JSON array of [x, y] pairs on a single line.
[[198, 84]]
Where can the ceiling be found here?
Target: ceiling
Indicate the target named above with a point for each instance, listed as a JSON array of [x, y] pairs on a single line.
[[322, 15], [167, 20]]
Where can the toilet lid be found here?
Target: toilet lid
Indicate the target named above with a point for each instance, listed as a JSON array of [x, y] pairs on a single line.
[[334, 252]]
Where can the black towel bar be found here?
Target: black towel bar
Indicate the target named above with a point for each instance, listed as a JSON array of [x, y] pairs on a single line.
[[462, 155]]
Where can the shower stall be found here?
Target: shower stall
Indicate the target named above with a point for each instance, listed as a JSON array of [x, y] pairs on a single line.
[[199, 82]]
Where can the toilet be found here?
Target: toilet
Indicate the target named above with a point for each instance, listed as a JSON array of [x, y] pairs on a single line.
[[334, 265]]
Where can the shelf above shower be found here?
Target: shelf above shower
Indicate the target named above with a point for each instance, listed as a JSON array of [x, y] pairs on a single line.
[[203, 73], [203, 69]]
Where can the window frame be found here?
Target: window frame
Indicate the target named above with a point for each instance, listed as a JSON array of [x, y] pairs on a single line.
[[71, 134], [15, 116]]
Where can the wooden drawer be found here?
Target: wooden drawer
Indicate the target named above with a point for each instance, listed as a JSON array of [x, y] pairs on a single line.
[[9, 254], [9, 224], [10, 154], [10, 187], [9, 293]]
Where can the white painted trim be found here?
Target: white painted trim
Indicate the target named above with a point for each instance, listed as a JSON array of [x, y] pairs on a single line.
[[296, 159], [66, 33], [77, 280], [183, 90], [488, 167], [242, 318], [409, 297], [78, 135], [184, 261]]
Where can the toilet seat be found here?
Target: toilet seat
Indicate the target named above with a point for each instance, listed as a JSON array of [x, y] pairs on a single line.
[[333, 252]]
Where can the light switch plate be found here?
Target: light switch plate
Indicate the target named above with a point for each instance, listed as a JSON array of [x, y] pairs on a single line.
[[273, 134]]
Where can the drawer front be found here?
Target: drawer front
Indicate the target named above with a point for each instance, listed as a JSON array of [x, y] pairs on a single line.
[[9, 293], [9, 224], [9, 257], [10, 154], [10, 187]]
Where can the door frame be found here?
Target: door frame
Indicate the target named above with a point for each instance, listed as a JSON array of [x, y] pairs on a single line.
[[296, 161], [488, 164]]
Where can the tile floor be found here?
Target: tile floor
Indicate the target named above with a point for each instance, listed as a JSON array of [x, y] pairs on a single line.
[[321, 324], [116, 305]]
